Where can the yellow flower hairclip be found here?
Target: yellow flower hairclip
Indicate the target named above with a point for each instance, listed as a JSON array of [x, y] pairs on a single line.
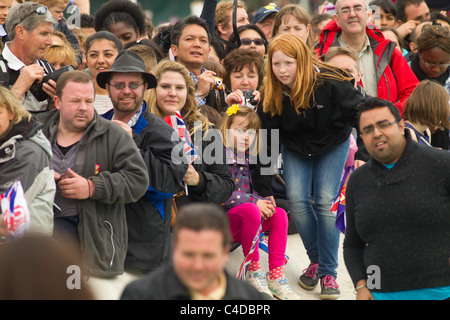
[[233, 109]]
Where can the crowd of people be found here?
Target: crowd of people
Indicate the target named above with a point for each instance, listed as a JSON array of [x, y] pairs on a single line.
[[154, 150]]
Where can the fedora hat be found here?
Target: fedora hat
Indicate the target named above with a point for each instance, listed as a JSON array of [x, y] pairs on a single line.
[[127, 61]]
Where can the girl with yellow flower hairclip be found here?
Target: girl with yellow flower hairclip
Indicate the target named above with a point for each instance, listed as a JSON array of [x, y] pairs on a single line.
[[248, 212]]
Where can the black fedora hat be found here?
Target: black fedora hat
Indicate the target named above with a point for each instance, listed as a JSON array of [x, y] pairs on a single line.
[[127, 61]]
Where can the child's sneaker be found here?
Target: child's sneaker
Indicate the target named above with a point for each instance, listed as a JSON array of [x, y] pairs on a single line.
[[329, 288], [281, 289], [258, 281], [309, 279]]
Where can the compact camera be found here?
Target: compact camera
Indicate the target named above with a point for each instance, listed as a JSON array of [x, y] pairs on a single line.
[[218, 83], [249, 98]]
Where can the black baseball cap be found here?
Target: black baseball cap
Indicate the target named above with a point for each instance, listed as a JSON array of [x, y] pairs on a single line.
[[264, 12]]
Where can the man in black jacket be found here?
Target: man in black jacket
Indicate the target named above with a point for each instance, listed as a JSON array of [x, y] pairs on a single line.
[[149, 218], [201, 244], [397, 208]]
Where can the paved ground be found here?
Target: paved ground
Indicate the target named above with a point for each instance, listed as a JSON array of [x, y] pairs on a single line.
[[298, 260], [110, 289]]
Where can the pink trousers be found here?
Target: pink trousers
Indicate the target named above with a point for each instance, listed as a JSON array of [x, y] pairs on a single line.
[[245, 220]]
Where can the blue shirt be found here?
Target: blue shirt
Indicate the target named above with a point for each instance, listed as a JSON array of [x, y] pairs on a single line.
[[438, 293]]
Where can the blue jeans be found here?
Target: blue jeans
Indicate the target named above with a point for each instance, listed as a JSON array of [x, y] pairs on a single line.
[[316, 179]]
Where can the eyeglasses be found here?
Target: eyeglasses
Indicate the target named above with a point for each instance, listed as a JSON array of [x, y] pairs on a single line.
[[382, 125], [122, 85], [440, 65], [39, 10], [256, 41], [356, 10]]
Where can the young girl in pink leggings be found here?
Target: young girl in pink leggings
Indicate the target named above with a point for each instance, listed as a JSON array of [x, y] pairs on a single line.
[[247, 210]]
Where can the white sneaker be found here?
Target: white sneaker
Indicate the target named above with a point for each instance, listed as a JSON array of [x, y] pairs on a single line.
[[281, 289], [258, 281]]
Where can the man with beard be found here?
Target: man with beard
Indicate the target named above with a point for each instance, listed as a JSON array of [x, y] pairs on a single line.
[[149, 218]]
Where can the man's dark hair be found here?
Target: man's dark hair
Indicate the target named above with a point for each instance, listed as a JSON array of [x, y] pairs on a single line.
[[178, 28], [374, 103], [203, 216], [400, 6]]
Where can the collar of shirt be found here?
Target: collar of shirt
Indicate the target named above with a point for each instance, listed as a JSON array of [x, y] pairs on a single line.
[[13, 62], [364, 48], [195, 77], [216, 294], [134, 119], [2, 31]]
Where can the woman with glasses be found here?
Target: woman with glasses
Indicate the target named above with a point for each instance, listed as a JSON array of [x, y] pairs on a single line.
[[251, 37], [432, 62], [208, 178], [313, 105], [102, 48]]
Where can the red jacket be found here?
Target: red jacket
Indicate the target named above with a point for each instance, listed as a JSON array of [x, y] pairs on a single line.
[[395, 78]]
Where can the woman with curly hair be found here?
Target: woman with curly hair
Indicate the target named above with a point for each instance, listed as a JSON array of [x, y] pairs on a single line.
[[123, 18]]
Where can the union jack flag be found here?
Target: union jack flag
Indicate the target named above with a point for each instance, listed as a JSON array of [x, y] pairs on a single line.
[[245, 263], [15, 210], [177, 123], [338, 206]]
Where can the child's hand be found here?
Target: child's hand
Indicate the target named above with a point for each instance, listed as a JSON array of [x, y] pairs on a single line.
[[266, 207], [234, 98]]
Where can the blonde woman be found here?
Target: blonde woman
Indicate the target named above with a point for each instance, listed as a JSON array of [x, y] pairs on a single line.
[[25, 156], [208, 177], [313, 105]]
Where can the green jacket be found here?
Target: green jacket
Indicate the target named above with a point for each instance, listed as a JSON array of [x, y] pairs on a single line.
[[109, 157]]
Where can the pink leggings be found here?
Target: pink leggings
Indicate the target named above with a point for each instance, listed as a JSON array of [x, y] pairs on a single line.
[[245, 220]]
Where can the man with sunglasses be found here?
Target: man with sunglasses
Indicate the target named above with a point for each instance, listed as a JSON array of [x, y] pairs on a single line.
[[29, 26], [397, 236], [148, 219]]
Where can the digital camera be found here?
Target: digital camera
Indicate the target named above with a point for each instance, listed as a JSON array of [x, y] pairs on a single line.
[[36, 88]]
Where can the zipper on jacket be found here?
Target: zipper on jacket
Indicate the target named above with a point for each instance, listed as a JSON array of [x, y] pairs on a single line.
[[112, 243]]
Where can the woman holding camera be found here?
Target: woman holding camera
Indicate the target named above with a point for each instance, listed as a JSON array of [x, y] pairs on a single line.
[[244, 75]]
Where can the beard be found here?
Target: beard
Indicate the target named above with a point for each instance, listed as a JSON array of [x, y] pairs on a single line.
[[126, 107]]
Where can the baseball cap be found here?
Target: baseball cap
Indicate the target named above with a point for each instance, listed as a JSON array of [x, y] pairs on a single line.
[[264, 12]]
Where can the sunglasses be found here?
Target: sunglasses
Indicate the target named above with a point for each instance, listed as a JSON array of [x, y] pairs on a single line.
[[131, 85], [39, 10], [256, 41]]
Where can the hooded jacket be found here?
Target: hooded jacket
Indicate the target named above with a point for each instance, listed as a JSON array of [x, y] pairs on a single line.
[[109, 157], [25, 155], [395, 79]]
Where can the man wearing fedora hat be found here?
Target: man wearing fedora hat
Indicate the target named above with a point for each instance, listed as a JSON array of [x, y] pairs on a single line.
[[149, 218]]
